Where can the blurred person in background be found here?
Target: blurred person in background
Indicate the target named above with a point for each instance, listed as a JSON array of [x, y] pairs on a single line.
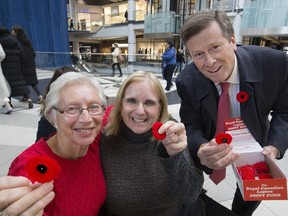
[[180, 60], [12, 65], [5, 90], [169, 63], [29, 67], [115, 54]]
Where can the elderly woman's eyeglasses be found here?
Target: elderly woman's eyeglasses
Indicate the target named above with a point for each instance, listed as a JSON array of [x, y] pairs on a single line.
[[134, 103], [74, 111]]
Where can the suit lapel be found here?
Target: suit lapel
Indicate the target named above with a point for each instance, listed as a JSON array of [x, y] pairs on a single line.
[[249, 75], [249, 112], [206, 96]]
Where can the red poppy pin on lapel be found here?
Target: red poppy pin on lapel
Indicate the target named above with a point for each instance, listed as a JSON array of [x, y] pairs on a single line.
[[242, 97], [155, 132], [223, 138], [42, 169]]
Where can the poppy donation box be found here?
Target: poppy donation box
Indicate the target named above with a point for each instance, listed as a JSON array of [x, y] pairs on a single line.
[[258, 176]]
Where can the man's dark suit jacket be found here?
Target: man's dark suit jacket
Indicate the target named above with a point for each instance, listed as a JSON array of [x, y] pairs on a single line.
[[263, 74]]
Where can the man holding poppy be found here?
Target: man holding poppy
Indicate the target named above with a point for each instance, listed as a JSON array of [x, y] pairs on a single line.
[[257, 80]]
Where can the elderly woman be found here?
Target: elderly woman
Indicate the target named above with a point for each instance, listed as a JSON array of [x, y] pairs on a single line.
[[145, 176], [74, 105]]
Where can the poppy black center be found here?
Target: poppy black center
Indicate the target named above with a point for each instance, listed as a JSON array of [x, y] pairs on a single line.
[[224, 140], [41, 168]]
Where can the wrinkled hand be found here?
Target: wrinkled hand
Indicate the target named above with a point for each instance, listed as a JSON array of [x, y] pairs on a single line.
[[176, 140], [19, 197], [271, 151], [216, 156]]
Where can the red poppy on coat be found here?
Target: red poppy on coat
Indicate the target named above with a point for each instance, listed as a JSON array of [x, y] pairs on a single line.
[[242, 97], [42, 169], [155, 132], [223, 138]]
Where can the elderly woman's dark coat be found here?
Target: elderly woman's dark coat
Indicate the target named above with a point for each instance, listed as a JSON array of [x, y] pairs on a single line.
[[12, 65]]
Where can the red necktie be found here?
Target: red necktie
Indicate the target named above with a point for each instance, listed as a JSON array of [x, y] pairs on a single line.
[[223, 113]]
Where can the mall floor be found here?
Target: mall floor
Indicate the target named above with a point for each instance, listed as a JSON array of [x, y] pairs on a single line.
[[18, 131]]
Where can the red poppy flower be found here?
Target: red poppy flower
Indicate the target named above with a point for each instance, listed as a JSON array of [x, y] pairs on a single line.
[[247, 172], [264, 176], [223, 138], [155, 132], [42, 169], [261, 167], [242, 97]]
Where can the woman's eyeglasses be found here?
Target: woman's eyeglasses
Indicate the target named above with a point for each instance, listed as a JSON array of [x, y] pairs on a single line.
[[75, 111]]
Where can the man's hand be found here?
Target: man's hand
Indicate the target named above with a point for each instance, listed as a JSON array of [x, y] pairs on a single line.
[[271, 151], [216, 156]]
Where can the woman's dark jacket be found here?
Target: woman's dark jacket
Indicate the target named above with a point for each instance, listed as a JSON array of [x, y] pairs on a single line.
[[12, 65], [29, 68]]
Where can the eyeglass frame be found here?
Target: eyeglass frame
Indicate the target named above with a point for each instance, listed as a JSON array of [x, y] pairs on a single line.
[[64, 110], [134, 106]]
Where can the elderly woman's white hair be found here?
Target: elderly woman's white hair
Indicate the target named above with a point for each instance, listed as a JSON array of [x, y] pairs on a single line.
[[70, 78]]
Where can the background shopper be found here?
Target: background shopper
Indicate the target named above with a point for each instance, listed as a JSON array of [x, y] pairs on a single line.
[[29, 66], [12, 65], [115, 54], [5, 90]]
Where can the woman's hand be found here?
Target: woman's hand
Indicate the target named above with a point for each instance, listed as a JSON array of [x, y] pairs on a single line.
[[176, 140], [19, 196]]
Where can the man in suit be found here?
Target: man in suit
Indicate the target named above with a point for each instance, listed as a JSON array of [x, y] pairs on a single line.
[[260, 72]]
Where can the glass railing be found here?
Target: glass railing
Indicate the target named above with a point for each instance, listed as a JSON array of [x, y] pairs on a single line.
[[265, 14], [162, 23], [99, 62], [91, 26], [226, 5], [52, 59], [96, 62], [138, 15]]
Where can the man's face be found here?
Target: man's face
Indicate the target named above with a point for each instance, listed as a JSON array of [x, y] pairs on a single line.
[[212, 53]]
